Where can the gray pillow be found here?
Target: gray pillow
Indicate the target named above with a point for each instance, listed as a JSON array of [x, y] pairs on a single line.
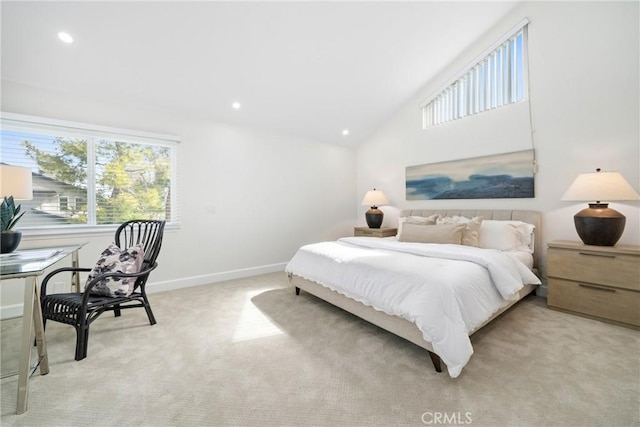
[[418, 233]]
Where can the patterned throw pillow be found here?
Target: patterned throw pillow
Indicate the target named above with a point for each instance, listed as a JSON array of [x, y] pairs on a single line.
[[116, 260]]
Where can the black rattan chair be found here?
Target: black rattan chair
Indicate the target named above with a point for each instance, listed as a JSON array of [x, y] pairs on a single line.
[[81, 309]]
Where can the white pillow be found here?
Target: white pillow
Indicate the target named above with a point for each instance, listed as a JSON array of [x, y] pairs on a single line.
[[422, 220], [471, 234], [507, 235]]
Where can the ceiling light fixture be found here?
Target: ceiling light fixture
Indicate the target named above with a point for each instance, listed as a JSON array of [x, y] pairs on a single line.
[[236, 105], [65, 37], [345, 132]]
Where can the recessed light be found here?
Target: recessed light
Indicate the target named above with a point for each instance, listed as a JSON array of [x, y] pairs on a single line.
[[345, 132], [65, 37], [236, 105]]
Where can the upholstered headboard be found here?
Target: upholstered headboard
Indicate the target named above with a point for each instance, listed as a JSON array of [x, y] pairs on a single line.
[[530, 217]]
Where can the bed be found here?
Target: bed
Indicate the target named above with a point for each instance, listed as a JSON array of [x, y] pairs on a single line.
[[445, 292]]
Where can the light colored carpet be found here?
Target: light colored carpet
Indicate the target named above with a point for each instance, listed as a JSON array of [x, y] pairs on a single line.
[[250, 353]]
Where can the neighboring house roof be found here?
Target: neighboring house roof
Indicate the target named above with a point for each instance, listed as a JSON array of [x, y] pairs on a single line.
[[43, 184], [49, 215]]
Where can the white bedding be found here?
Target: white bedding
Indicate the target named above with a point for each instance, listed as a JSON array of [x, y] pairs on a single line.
[[446, 290], [524, 257]]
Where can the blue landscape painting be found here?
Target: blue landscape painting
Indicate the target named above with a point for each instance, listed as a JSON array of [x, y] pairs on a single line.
[[501, 176]]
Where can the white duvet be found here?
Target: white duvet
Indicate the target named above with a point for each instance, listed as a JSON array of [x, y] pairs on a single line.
[[446, 290]]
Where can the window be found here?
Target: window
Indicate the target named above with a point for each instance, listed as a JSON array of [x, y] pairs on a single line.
[[497, 78], [86, 175], [64, 203]]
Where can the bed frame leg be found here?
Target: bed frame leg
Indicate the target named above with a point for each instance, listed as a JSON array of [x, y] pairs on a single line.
[[297, 290], [435, 359]]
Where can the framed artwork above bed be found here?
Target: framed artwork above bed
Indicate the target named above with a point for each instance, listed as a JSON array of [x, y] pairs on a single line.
[[500, 176]]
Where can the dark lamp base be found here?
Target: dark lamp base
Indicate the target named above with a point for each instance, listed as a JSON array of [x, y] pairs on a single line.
[[374, 217], [599, 225]]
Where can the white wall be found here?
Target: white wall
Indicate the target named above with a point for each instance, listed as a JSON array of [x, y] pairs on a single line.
[[271, 193], [584, 92]]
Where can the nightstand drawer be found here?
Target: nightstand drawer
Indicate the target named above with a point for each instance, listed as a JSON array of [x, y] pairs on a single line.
[[615, 304], [608, 268]]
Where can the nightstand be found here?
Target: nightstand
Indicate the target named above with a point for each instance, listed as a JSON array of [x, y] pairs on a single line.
[[374, 232], [601, 282]]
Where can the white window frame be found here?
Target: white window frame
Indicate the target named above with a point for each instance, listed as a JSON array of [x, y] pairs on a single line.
[[484, 84], [27, 123]]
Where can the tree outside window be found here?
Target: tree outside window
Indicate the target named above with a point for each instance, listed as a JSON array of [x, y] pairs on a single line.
[[91, 180]]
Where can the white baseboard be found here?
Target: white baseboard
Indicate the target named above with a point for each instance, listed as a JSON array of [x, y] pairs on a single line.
[[11, 311], [188, 282]]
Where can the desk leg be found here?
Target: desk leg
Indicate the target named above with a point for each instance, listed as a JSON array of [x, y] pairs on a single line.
[[75, 263], [25, 351], [41, 342]]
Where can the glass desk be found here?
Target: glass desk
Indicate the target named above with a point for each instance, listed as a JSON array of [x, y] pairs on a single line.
[[29, 264]]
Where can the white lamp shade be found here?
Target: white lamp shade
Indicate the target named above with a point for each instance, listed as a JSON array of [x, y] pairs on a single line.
[[600, 186], [374, 198], [16, 181]]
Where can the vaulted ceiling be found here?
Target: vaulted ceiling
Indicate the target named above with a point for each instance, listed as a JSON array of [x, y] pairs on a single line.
[[309, 69]]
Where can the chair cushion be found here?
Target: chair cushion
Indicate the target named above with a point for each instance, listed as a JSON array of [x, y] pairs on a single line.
[[116, 260]]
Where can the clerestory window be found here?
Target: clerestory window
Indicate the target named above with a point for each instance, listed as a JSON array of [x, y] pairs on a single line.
[[498, 77]]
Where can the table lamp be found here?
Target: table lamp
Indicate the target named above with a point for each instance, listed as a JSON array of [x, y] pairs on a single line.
[[374, 216], [598, 224]]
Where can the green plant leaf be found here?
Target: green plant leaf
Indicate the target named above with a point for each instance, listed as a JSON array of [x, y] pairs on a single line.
[[9, 214], [15, 220], [5, 215], [12, 205]]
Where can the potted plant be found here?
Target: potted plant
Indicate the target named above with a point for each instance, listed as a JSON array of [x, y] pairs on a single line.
[[9, 215]]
